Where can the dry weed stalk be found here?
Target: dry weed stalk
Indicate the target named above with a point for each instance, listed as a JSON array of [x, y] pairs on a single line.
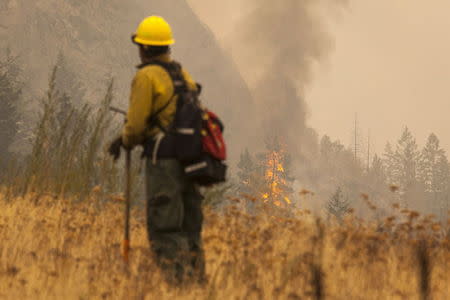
[[424, 264]]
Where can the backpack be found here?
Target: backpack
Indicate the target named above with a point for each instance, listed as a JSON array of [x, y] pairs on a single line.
[[196, 134]]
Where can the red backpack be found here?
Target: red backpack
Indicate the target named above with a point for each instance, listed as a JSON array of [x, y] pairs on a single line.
[[212, 137]]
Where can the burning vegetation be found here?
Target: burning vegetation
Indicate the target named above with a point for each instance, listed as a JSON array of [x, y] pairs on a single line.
[[267, 174], [275, 175]]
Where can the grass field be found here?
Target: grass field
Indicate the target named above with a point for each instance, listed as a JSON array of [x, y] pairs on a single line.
[[55, 249]]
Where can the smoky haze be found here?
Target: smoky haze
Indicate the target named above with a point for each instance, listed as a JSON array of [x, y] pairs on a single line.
[[276, 45], [258, 65], [281, 42], [389, 64], [257, 84], [94, 38], [380, 59]]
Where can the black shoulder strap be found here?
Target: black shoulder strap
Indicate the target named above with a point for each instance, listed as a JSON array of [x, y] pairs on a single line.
[[180, 86], [175, 72]]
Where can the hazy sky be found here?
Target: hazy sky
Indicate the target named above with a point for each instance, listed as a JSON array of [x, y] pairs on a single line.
[[390, 65]]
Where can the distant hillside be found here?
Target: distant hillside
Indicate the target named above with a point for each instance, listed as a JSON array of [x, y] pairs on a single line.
[[94, 36]]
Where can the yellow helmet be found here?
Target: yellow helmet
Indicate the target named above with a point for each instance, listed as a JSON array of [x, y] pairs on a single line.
[[154, 31]]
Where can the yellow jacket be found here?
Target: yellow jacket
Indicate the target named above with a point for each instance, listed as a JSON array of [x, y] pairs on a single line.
[[152, 88]]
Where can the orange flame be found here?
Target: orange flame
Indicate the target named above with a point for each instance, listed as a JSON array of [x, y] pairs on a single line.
[[274, 175]]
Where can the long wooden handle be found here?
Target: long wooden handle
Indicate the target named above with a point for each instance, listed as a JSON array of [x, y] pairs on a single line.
[[126, 239]]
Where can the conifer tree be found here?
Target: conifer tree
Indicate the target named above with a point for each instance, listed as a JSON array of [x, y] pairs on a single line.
[[433, 166], [377, 172], [10, 93], [267, 175], [401, 164], [407, 156], [275, 164], [391, 167], [376, 180], [434, 174], [441, 176], [338, 205], [332, 155], [441, 187]]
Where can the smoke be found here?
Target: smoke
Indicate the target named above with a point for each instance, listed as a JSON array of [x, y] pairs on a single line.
[[277, 47], [94, 38]]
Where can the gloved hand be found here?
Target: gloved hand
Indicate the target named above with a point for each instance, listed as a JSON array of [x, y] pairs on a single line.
[[115, 147]]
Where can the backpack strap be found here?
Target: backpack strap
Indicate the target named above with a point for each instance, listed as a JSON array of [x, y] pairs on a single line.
[[180, 86]]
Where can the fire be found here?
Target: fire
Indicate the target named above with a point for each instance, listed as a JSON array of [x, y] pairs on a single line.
[[275, 178], [288, 201]]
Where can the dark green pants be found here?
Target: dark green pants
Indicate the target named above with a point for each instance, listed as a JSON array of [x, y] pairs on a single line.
[[174, 221]]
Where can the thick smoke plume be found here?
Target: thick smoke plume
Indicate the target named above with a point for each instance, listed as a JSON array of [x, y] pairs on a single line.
[[277, 47]]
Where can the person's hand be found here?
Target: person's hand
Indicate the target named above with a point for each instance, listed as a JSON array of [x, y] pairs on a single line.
[[115, 147]]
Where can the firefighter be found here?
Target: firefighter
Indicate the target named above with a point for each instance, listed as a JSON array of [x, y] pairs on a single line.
[[174, 215]]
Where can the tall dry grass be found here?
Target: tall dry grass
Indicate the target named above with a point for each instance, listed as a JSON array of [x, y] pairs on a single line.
[[68, 144], [58, 249], [66, 155]]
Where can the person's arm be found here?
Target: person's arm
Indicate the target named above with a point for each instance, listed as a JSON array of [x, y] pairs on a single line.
[[139, 110]]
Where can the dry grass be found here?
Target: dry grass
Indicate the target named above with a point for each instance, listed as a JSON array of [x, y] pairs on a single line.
[[54, 249]]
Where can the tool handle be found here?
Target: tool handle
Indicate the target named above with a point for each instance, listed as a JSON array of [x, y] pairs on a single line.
[[125, 250], [126, 239]]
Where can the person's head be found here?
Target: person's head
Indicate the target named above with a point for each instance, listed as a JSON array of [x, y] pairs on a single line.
[[154, 37]]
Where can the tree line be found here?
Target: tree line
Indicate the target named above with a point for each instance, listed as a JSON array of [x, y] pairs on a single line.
[[404, 174]]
